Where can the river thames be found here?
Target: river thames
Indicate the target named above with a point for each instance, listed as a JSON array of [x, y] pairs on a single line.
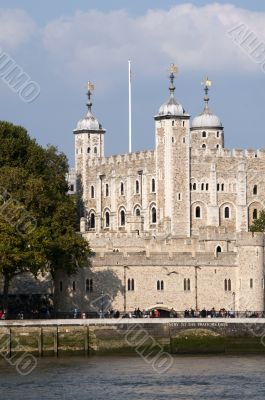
[[130, 378]]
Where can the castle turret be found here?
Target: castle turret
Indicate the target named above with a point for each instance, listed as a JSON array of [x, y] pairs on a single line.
[[173, 165], [206, 128]]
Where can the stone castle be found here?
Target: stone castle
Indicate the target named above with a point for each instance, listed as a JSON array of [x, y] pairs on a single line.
[[169, 226]]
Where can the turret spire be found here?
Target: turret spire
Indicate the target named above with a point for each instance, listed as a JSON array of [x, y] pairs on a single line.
[[90, 88], [173, 70], [207, 84]]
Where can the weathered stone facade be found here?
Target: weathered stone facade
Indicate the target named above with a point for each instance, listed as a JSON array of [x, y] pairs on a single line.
[[169, 227]]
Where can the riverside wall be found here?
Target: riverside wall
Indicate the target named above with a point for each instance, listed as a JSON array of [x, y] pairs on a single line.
[[108, 336]]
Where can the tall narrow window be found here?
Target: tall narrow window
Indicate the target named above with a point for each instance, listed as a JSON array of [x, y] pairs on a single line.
[[251, 283], [227, 213], [73, 286], [255, 213], [188, 284], [137, 186], [206, 186], [194, 186], [95, 150], [153, 185], [122, 218], [153, 212], [203, 134], [162, 285], [89, 285], [92, 192], [122, 188], [185, 284], [198, 212], [107, 189], [222, 187], [218, 250], [61, 286], [137, 212], [218, 187], [88, 150], [202, 186], [92, 220], [158, 285], [129, 284], [132, 284], [107, 219], [255, 189], [229, 285], [225, 284]]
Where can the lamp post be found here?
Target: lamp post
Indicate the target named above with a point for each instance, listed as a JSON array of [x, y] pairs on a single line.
[[196, 267]]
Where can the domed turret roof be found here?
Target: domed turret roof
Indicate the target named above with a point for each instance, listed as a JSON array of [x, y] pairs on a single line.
[[206, 119], [89, 122], [171, 106]]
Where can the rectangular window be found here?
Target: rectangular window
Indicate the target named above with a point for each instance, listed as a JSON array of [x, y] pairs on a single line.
[[251, 283]]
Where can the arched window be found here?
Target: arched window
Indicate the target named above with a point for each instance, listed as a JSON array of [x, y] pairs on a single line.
[[91, 221], [153, 185], [153, 218], [132, 284], [137, 186], [229, 285], [227, 212], [92, 192], [95, 150], [162, 285], [225, 284], [73, 286], [217, 134], [122, 188], [222, 187], [107, 190], [203, 134], [218, 187], [206, 186], [172, 123], [217, 146], [218, 250], [107, 219], [137, 212], [255, 213], [198, 212], [158, 285], [129, 284], [255, 189], [194, 186], [122, 218], [88, 149], [89, 285], [204, 146]]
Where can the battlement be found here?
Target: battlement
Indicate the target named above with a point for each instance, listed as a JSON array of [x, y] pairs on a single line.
[[250, 239], [236, 153], [123, 158]]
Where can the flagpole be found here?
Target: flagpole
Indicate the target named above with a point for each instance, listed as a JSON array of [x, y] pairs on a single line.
[[130, 107]]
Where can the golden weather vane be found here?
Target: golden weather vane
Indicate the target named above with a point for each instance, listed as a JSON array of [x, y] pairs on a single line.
[[207, 82], [90, 86], [173, 69]]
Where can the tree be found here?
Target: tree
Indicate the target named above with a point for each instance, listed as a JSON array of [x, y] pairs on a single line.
[[259, 224], [38, 220]]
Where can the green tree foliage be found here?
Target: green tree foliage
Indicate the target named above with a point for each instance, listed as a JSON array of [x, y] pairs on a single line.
[[259, 224], [38, 220]]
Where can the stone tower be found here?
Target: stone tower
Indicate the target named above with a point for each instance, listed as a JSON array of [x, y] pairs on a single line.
[[172, 125], [89, 143]]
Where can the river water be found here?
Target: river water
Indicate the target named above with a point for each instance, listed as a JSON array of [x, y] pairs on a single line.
[[131, 378]]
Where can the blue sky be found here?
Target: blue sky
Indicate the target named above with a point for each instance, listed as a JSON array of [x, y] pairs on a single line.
[[63, 44]]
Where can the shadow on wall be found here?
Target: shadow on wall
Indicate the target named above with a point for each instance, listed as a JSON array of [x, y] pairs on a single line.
[[88, 291]]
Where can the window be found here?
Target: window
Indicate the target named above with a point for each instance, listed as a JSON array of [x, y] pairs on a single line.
[[61, 286], [172, 139], [222, 187], [71, 188], [73, 286], [203, 134], [186, 284], [217, 134], [227, 285], [92, 221], [92, 192], [137, 212], [153, 185], [202, 186], [95, 150], [183, 123], [122, 218], [88, 150], [251, 283], [218, 250], [160, 285], [89, 285], [218, 187], [183, 140], [137, 186], [217, 146], [255, 213], [255, 189], [107, 190], [130, 284], [194, 186], [122, 189], [198, 212], [107, 219], [204, 146], [153, 215], [227, 212], [172, 123], [206, 186]]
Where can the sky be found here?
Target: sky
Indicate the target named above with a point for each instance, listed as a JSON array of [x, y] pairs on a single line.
[[62, 44]]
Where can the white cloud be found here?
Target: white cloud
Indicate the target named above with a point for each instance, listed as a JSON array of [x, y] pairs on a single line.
[[16, 27], [194, 37]]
